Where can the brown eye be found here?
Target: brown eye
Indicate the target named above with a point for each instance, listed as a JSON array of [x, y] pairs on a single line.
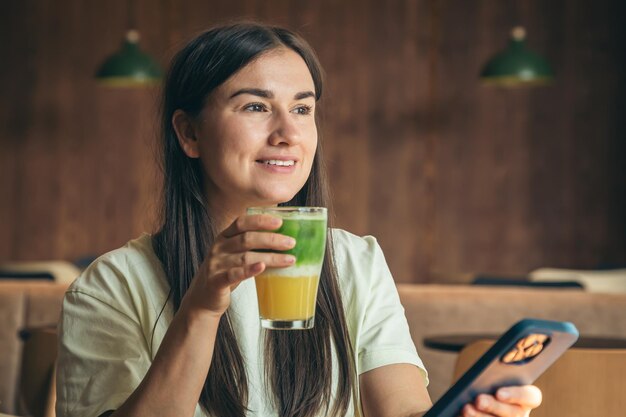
[[303, 110], [255, 107]]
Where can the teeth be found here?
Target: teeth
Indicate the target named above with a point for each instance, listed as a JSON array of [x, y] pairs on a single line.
[[278, 162]]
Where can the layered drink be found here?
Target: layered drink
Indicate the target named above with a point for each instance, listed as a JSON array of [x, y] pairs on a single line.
[[287, 296]]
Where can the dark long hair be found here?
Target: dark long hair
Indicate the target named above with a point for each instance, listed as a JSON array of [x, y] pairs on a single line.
[[298, 366]]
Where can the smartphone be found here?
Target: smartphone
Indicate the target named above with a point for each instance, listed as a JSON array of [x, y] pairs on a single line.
[[519, 357]]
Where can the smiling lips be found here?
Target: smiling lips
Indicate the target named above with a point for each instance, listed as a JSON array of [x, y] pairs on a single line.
[[279, 162], [278, 165]]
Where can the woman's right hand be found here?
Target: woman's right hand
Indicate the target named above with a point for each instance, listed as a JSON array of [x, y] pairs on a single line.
[[232, 258]]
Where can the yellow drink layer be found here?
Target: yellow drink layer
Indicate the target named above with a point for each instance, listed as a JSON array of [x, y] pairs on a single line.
[[286, 297]]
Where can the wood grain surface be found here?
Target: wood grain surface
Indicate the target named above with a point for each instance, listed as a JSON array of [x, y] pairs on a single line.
[[452, 177]]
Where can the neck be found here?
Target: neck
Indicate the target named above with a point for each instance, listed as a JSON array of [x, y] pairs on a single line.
[[224, 212], [223, 209], [226, 208], [224, 217]]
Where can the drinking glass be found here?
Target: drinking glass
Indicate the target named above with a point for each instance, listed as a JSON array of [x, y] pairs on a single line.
[[287, 296]]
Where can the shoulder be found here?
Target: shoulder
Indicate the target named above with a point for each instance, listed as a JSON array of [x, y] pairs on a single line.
[[358, 260], [350, 247], [354, 253], [107, 332], [123, 277]]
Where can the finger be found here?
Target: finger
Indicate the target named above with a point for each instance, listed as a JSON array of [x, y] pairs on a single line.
[[235, 275], [526, 396], [252, 222], [488, 405], [257, 240], [470, 411], [270, 260]]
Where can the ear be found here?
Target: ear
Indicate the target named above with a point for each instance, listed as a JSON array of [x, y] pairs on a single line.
[[185, 131]]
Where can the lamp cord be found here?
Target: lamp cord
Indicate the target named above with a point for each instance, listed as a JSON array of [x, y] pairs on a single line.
[[131, 14]]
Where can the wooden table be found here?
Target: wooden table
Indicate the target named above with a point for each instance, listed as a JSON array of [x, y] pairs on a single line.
[[456, 342]]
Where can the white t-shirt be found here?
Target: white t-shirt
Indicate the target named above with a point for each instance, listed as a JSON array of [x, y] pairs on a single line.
[[107, 346]]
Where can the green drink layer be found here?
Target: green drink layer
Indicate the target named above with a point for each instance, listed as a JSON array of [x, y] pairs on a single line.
[[310, 238]]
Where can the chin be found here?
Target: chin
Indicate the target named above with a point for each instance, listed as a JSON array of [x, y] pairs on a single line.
[[271, 194], [276, 198]]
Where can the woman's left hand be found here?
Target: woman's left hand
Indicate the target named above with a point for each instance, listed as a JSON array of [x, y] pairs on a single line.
[[508, 402]]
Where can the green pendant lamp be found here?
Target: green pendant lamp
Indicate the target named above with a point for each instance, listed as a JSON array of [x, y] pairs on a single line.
[[130, 66], [516, 65]]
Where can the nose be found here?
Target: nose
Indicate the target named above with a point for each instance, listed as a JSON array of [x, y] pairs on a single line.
[[285, 129]]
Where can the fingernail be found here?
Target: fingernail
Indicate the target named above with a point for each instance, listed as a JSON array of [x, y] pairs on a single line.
[[276, 221], [290, 259], [483, 402], [290, 241], [469, 411], [504, 394]]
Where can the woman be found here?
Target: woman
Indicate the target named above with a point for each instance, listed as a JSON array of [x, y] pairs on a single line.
[[151, 328]]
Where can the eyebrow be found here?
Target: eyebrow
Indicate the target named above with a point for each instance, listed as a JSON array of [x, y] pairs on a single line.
[[268, 94]]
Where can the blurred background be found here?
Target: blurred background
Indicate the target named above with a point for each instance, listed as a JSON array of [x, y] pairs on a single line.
[[452, 176]]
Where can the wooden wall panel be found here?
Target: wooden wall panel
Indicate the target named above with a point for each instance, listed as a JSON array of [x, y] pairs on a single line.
[[450, 176], [523, 175]]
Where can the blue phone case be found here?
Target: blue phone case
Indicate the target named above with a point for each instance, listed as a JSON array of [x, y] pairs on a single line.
[[523, 353]]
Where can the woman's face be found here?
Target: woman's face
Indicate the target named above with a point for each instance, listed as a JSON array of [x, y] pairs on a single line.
[[257, 135]]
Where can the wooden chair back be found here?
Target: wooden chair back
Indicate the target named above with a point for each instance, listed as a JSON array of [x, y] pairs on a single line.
[[37, 385]]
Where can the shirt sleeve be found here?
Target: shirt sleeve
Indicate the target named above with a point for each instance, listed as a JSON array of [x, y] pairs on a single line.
[[384, 337], [103, 354]]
